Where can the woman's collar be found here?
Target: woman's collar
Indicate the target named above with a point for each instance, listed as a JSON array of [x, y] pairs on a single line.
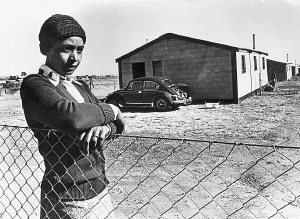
[[53, 76]]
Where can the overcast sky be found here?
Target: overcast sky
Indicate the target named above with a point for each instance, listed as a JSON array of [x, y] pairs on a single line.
[[116, 27]]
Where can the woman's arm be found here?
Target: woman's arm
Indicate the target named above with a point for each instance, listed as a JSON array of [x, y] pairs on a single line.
[[42, 102]]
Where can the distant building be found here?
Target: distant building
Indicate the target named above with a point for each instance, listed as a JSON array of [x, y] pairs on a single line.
[[281, 69], [294, 69], [284, 71], [213, 71]]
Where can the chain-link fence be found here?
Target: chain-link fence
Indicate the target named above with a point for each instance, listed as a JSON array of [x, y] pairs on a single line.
[[166, 178]]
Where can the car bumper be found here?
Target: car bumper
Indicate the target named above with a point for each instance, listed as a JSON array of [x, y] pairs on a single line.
[[188, 101], [182, 102]]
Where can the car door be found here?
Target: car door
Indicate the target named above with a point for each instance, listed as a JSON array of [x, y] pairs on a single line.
[[151, 90], [134, 93]]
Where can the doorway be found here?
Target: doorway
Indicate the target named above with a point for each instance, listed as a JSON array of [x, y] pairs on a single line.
[[138, 70]]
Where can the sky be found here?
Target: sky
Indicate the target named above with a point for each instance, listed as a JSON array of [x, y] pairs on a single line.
[[116, 27]]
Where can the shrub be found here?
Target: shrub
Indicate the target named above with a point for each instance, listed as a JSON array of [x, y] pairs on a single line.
[[11, 88]]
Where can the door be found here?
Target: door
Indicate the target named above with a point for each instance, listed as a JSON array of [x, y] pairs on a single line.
[[151, 90], [138, 70], [134, 93]]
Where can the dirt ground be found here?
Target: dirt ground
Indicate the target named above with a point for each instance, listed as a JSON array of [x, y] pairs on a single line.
[[270, 119]]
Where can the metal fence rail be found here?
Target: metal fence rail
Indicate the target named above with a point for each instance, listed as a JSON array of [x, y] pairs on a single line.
[[166, 178]]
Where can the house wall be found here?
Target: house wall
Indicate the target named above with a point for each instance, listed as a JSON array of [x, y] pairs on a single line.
[[294, 70], [289, 74], [243, 78], [280, 69], [260, 75], [264, 71], [206, 69], [251, 80]]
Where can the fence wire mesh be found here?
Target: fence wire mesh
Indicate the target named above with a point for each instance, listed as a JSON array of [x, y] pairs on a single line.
[[166, 178]]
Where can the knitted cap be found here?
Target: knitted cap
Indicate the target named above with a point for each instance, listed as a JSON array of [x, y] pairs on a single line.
[[58, 27]]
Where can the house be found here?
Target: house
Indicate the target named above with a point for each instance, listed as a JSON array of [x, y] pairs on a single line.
[[282, 69], [213, 71], [294, 69], [291, 70]]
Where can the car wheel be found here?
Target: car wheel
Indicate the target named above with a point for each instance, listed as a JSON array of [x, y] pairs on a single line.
[[114, 101], [161, 104]]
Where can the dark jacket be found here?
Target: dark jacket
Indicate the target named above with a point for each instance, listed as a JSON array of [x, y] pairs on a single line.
[[56, 120]]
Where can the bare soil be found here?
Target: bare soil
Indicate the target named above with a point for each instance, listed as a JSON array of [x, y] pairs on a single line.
[[272, 118]]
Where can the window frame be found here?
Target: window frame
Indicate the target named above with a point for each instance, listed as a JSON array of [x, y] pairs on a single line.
[[255, 63], [244, 66], [152, 88], [130, 85], [157, 68]]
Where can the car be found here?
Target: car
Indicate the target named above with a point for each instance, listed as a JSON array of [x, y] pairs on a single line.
[[14, 79], [157, 92]]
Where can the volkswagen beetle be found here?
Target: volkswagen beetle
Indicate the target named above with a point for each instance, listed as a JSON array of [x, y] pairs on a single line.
[[157, 92]]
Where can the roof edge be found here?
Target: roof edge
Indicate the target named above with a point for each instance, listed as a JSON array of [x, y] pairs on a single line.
[[176, 36]]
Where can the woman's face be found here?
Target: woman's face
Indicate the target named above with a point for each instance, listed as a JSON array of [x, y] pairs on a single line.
[[65, 55]]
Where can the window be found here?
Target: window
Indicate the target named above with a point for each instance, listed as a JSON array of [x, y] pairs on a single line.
[[167, 82], [157, 70], [150, 85], [244, 64], [135, 85], [255, 63], [263, 63]]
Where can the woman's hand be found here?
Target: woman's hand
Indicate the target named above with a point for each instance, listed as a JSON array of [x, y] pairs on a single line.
[[120, 123], [89, 139], [119, 120]]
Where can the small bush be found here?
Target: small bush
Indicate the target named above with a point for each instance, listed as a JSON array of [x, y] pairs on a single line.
[[11, 88]]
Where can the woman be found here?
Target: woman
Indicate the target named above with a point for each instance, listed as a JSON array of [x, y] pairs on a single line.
[[70, 124]]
